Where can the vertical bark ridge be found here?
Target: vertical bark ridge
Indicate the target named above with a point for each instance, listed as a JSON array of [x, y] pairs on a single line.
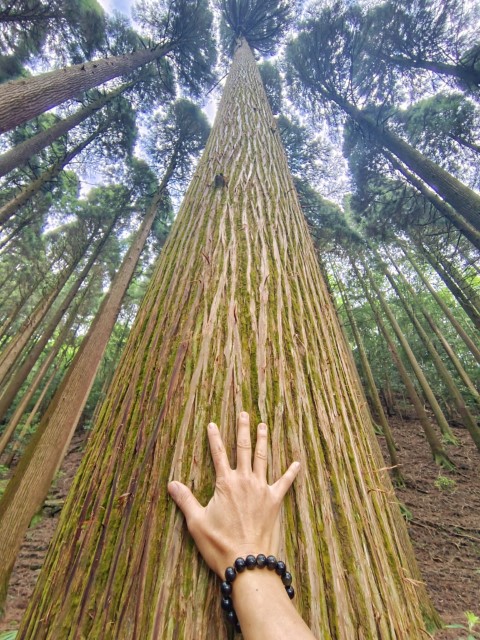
[[237, 317]]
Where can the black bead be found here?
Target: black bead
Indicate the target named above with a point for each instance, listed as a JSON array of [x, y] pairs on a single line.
[[261, 560], [287, 579], [237, 628], [271, 563], [231, 616], [281, 568], [251, 562], [290, 591], [230, 574], [240, 565], [226, 604], [226, 588]]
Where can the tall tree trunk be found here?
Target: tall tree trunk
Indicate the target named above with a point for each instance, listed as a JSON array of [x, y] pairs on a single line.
[[465, 378], [14, 348], [19, 441], [21, 373], [21, 153], [474, 350], [372, 387], [426, 388], [472, 234], [467, 381], [442, 370], [12, 206], [468, 75], [24, 99], [466, 143], [463, 199], [35, 383], [45, 452], [438, 453], [463, 298], [237, 315]]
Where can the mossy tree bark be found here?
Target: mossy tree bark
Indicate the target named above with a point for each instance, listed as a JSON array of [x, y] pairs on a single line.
[[237, 317]]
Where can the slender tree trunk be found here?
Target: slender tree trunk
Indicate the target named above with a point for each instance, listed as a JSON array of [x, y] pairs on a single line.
[[427, 390], [467, 381], [474, 350], [442, 370], [10, 208], [463, 199], [45, 452], [438, 453], [464, 300], [21, 153], [35, 383], [237, 316], [372, 387], [24, 99], [14, 348], [22, 372], [459, 71], [21, 436], [472, 234], [465, 143], [437, 332]]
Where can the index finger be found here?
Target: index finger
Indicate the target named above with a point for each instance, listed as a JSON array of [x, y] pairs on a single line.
[[217, 449]]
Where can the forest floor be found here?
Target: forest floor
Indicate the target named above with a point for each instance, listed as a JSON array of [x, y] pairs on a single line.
[[444, 526]]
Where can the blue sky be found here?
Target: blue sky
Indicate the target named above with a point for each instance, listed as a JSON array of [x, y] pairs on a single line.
[[119, 5]]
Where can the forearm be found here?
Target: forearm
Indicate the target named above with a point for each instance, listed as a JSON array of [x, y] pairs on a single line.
[[264, 609]]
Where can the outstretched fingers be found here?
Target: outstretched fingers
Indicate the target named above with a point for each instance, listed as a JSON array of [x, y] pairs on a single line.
[[185, 500], [283, 484], [217, 449], [261, 452], [244, 443]]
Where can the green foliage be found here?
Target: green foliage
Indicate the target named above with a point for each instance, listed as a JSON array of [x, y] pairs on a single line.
[[8, 635], [443, 483], [189, 25], [471, 628], [261, 22], [272, 83]]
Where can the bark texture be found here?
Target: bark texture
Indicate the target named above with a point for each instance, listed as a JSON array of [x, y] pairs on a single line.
[[237, 317], [21, 153], [24, 99]]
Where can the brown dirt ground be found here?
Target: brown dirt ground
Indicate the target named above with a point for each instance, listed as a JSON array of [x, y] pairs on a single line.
[[445, 527]]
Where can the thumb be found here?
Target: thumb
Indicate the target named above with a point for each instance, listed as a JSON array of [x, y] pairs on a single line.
[[184, 499]]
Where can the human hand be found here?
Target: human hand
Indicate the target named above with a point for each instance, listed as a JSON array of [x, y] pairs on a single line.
[[242, 516]]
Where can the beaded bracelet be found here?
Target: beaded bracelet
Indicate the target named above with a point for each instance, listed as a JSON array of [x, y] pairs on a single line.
[[251, 562]]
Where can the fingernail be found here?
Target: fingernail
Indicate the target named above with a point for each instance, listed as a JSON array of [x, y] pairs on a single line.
[[244, 415], [296, 465], [262, 427], [173, 489], [212, 426]]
